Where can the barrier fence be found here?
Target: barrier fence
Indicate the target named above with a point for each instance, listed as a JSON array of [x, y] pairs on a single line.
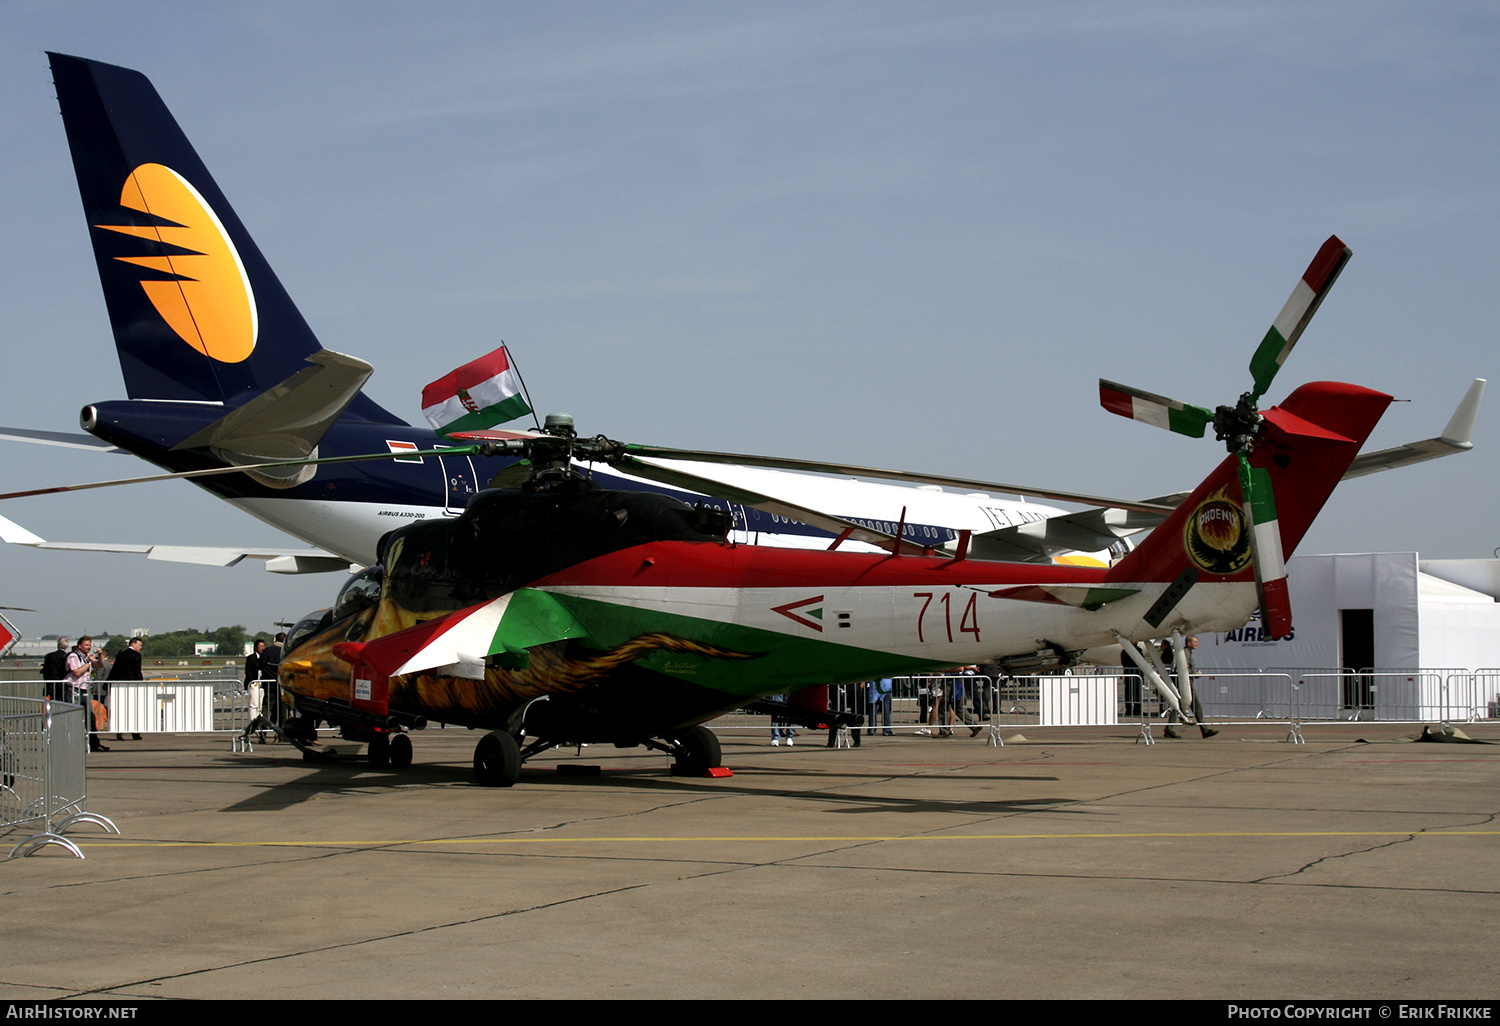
[[939, 703], [176, 705], [944, 704], [42, 780]]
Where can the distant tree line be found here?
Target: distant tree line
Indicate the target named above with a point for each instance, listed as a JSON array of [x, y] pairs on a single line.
[[230, 641]]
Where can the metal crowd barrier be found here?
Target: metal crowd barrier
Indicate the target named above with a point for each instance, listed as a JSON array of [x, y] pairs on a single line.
[[1109, 696], [165, 705], [1417, 696], [1484, 694], [42, 778]]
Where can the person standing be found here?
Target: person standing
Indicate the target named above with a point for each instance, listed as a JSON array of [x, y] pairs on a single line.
[[780, 729], [1190, 646], [82, 662], [128, 667], [54, 669], [252, 685], [880, 701], [270, 669]]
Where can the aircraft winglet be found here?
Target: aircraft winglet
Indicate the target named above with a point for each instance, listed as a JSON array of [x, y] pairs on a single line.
[[14, 534], [1460, 429]]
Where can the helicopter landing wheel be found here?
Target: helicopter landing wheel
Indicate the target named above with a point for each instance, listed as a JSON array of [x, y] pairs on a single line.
[[497, 760], [400, 752], [698, 751], [379, 754]]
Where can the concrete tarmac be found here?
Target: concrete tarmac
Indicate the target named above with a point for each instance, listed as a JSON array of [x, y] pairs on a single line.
[[1074, 864]]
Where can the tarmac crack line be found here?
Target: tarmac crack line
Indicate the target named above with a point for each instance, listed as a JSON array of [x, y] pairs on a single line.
[[1412, 836], [1335, 856]]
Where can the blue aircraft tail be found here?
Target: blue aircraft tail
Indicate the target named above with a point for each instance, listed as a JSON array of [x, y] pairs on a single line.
[[198, 314]]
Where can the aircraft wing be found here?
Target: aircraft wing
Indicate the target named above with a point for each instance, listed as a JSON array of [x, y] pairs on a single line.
[[1456, 437], [278, 561], [1092, 530]]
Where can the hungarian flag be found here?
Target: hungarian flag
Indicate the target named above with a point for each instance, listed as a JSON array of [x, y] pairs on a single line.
[[476, 396]]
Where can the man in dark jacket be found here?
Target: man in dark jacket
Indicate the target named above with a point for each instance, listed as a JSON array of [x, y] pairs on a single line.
[[54, 668], [128, 667], [270, 667]]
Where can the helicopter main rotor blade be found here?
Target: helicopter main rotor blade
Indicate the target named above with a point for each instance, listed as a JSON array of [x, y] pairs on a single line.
[[770, 504], [1303, 303], [463, 450], [851, 470], [1156, 410]]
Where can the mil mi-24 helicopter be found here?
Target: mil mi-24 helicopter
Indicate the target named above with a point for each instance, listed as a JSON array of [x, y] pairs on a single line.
[[561, 612], [563, 609], [636, 620]]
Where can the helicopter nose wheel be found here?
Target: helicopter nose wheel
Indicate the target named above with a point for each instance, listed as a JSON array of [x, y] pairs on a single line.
[[497, 760], [400, 752], [697, 752], [389, 751]]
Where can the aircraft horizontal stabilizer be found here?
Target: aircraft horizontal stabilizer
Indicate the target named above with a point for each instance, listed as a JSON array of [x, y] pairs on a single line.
[[287, 420], [62, 439]]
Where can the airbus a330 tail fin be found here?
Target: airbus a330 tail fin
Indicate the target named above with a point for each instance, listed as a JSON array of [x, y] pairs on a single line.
[[197, 313]]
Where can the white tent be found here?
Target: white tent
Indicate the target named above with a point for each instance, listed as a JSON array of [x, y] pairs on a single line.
[[1420, 626]]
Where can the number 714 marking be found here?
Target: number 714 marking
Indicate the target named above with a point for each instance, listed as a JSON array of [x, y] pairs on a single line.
[[968, 621]]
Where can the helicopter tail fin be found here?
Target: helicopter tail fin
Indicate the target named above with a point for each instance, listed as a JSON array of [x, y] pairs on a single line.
[[1306, 445]]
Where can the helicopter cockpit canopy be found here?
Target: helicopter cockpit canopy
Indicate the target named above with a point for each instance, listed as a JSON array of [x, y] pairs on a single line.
[[361, 590], [506, 539]]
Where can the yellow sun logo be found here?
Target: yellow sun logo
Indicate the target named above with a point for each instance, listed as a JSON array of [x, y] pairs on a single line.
[[209, 304]]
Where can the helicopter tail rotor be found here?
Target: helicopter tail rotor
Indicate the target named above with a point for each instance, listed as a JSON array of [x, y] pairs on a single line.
[[1241, 427]]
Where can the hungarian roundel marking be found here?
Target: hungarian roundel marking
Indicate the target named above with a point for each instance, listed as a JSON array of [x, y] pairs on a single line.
[[207, 300]]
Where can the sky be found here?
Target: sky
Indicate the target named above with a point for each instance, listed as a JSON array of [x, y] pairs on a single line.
[[901, 234]]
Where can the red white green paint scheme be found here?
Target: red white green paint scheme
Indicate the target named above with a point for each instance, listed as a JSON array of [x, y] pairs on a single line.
[[640, 622]]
